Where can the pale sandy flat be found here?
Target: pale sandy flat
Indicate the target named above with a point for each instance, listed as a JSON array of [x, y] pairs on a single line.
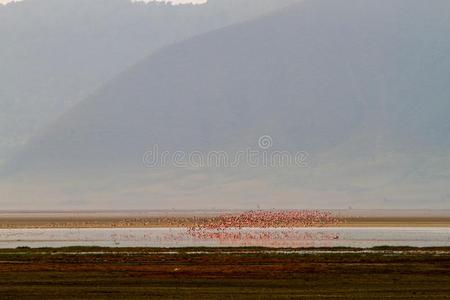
[[176, 219]]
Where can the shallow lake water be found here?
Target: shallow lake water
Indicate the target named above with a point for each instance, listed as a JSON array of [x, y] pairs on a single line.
[[267, 237]]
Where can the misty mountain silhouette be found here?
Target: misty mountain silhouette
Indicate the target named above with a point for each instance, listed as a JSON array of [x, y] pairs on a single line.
[[313, 77], [54, 53], [344, 80]]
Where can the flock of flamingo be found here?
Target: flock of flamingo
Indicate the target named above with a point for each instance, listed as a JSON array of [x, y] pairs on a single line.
[[270, 219], [268, 228]]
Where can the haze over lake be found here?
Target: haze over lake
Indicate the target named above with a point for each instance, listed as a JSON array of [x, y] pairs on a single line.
[[348, 98]]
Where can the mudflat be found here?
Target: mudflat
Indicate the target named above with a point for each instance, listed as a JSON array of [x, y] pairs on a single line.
[[159, 219]]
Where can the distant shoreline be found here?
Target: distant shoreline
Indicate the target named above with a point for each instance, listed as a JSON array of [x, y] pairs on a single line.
[[171, 219]]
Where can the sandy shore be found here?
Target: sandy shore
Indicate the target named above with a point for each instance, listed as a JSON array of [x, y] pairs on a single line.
[[396, 222], [187, 219]]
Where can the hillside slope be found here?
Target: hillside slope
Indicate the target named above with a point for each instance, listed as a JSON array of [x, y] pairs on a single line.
[[361, 86], [54, 53]]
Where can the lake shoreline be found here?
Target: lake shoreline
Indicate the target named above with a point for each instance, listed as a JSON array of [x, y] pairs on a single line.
[[49, 223]]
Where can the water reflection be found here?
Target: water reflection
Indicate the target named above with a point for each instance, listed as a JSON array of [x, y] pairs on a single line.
[[232, 237]]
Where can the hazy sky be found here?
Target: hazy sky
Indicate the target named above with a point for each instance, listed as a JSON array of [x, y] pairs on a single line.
[[7, 1], [173, 1]]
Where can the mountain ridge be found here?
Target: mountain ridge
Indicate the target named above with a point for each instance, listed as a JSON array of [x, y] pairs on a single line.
[[366, 100]]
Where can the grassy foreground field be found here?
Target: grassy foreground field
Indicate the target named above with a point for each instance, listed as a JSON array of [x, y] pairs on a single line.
[[98, 273]]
